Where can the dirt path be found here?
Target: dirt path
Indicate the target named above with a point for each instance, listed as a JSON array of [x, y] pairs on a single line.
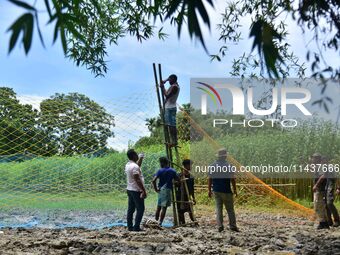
[[260, 234]]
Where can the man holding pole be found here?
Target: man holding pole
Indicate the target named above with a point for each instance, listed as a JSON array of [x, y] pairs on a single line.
[[170, 106], [166, 175], [185, 191]]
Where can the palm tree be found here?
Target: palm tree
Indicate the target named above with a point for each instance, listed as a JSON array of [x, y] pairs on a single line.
[[153, 124]]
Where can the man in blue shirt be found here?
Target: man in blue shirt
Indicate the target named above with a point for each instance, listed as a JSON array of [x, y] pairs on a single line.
[[165, 175], [219, 180]]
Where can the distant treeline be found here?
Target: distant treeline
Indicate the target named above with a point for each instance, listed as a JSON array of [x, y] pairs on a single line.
[[69, 124]]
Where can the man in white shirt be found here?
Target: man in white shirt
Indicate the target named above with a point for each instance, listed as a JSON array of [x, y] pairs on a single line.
[[135, 190]]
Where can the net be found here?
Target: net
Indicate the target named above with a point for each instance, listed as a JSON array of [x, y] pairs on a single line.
[[65, 155]]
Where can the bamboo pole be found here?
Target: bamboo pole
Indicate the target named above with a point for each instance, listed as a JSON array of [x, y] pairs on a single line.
[[186, 190], [161, 108], [166, 128], [161, 102]]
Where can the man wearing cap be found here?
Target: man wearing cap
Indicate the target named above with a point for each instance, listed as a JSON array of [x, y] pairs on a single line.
[[319, 190], [220, 183]]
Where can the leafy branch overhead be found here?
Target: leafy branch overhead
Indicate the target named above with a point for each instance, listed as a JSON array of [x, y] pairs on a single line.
[[86, 27], [269, 30], [271, 54], [265, 40]]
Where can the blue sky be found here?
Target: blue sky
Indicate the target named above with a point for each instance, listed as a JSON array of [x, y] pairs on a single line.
[[45, 71]]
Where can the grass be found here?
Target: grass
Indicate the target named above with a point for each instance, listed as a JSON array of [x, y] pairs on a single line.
[[115, 200]]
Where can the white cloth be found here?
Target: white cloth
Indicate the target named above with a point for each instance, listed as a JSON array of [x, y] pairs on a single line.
[[171, 102], [132, 169]]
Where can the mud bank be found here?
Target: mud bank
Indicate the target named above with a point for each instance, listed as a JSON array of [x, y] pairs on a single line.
[[260, 234]]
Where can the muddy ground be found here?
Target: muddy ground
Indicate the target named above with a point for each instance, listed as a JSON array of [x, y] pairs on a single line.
[[261, 233]]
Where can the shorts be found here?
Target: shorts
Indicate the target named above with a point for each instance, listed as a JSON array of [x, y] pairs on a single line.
[[170, 116], [164, 197]]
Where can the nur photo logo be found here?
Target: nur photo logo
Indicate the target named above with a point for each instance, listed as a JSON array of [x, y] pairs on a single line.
[[239, 97], [213, 96]]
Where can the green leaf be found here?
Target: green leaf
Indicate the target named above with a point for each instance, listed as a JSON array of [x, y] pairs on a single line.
[[16, 29], [173, 7], [22, 4], [203, 12], [25, 25], [188, 9], [48, 7], [63, 39], [266, 39], [69, 22], [97, 6], [39, 31], [28, 33], [325, 107], [256, 32], [317, 102], [56, 30]]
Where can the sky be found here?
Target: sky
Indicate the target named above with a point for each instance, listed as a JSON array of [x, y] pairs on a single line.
[[45, 71]]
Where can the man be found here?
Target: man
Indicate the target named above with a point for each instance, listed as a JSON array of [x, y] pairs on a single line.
[[183, 206], [319, 190], [330, 195], [170, 106], [135, 190], [165, 175], [219, 182]]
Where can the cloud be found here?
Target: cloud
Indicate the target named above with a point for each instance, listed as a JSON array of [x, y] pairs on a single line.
[[33, 100], [129, 128]]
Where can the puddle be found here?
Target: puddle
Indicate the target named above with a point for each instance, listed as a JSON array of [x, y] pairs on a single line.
[[65, 219]]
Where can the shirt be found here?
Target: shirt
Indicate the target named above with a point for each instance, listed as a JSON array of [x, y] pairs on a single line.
[[171, 99], [322, 185], [132, 169], [221, 180], [166, 175]]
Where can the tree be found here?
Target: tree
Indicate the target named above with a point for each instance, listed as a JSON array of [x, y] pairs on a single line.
[[183, 120], [153, 124], [19, 130], [156, 133], [76, 123]]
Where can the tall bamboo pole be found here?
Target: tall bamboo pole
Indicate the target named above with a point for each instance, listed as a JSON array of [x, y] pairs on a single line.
[[161, 103]]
